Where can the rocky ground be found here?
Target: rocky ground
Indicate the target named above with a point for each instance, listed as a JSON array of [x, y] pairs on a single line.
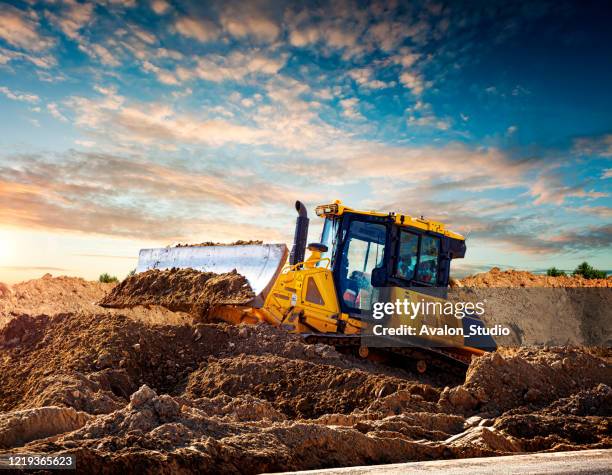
[[122, 389]]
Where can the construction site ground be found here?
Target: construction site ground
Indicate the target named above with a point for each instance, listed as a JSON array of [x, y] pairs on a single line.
[[165, 391]]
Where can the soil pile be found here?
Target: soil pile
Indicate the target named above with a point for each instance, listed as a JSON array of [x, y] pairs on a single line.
[[240, 242], [51, 295], [55, 295], [542, 310], [124, 395], [182, 290], [512, 377], [517, 278]]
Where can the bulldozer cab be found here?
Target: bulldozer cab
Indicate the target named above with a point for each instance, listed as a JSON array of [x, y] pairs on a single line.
[[370, 250]]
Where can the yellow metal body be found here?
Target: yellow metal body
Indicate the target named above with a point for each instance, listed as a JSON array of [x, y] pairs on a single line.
[[304, 298], [338, 209]]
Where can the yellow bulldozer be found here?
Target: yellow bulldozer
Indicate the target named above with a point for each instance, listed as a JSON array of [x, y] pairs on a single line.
[[362, 257]]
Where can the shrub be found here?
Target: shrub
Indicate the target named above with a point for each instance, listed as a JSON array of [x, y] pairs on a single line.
[[131, 273], [554, 272], [106, 278], [589, 272]]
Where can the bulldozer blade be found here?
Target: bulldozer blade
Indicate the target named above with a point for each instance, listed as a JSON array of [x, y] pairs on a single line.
[[259, 263]]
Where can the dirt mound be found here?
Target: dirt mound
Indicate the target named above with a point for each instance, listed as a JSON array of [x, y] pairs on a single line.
[[210, 243], [19, 427], [584, 418], [51, 295], [56, 295], [183, 290], [124, 395], [160, 434], [517, 278], [542, 310], [298, 389], [507, 379]]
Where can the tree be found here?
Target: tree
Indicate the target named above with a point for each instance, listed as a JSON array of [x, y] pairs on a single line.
[[589, 272], [106, 278], [554, 272]]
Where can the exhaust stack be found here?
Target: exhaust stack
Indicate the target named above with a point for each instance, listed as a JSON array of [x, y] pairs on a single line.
[[298, 251]]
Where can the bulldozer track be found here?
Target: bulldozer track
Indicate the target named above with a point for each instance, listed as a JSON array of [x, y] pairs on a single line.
[[440, 358]]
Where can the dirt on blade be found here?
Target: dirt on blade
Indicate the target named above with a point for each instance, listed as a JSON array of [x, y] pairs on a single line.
[[240, 242], [181, 290]]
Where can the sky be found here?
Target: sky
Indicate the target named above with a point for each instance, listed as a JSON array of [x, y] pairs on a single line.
[[144, 123]]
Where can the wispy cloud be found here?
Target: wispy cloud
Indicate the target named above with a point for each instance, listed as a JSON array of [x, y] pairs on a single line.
[[20, 29], [600, 145], [112, 195], [19, 96]]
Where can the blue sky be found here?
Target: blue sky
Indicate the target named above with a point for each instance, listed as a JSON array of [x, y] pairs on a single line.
[[145, 123]]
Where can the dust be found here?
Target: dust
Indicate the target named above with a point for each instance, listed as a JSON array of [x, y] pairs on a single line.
[[182, 290], [123, 394]]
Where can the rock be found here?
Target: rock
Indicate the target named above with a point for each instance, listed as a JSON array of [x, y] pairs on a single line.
[[461, 398], [142, 396], [104, 360], [486, 437]]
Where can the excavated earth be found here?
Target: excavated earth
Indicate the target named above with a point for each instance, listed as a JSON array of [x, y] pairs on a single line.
[[182, 290], [124, 392]]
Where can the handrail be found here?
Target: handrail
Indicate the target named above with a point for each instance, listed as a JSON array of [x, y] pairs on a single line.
[[295, 266]]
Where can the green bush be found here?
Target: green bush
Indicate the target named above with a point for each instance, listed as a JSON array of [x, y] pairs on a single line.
[[554, 272], [589, 272], [106, 278], [131, 273]]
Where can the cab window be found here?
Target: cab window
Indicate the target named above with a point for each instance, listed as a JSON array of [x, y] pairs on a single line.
[[407, 255], [363, 251], [427, 271]]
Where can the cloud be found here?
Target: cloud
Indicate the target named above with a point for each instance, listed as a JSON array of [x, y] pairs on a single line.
[[20, 29], [568, 241], [285, 121], [72, 17], [476, 169], [160, 6], [200, 29], [44, 61], [113, 195], [349, 108], [235, 66], [601, 145], [365, 78], [421, 115], [100, 52], [550, 189], [600, 211], [111, 118], [337, 26], [53, 109], [242, 19], [413, 81], [164, 76], [19, 96]]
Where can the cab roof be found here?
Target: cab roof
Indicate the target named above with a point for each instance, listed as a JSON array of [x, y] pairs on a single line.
[[338, 209]]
